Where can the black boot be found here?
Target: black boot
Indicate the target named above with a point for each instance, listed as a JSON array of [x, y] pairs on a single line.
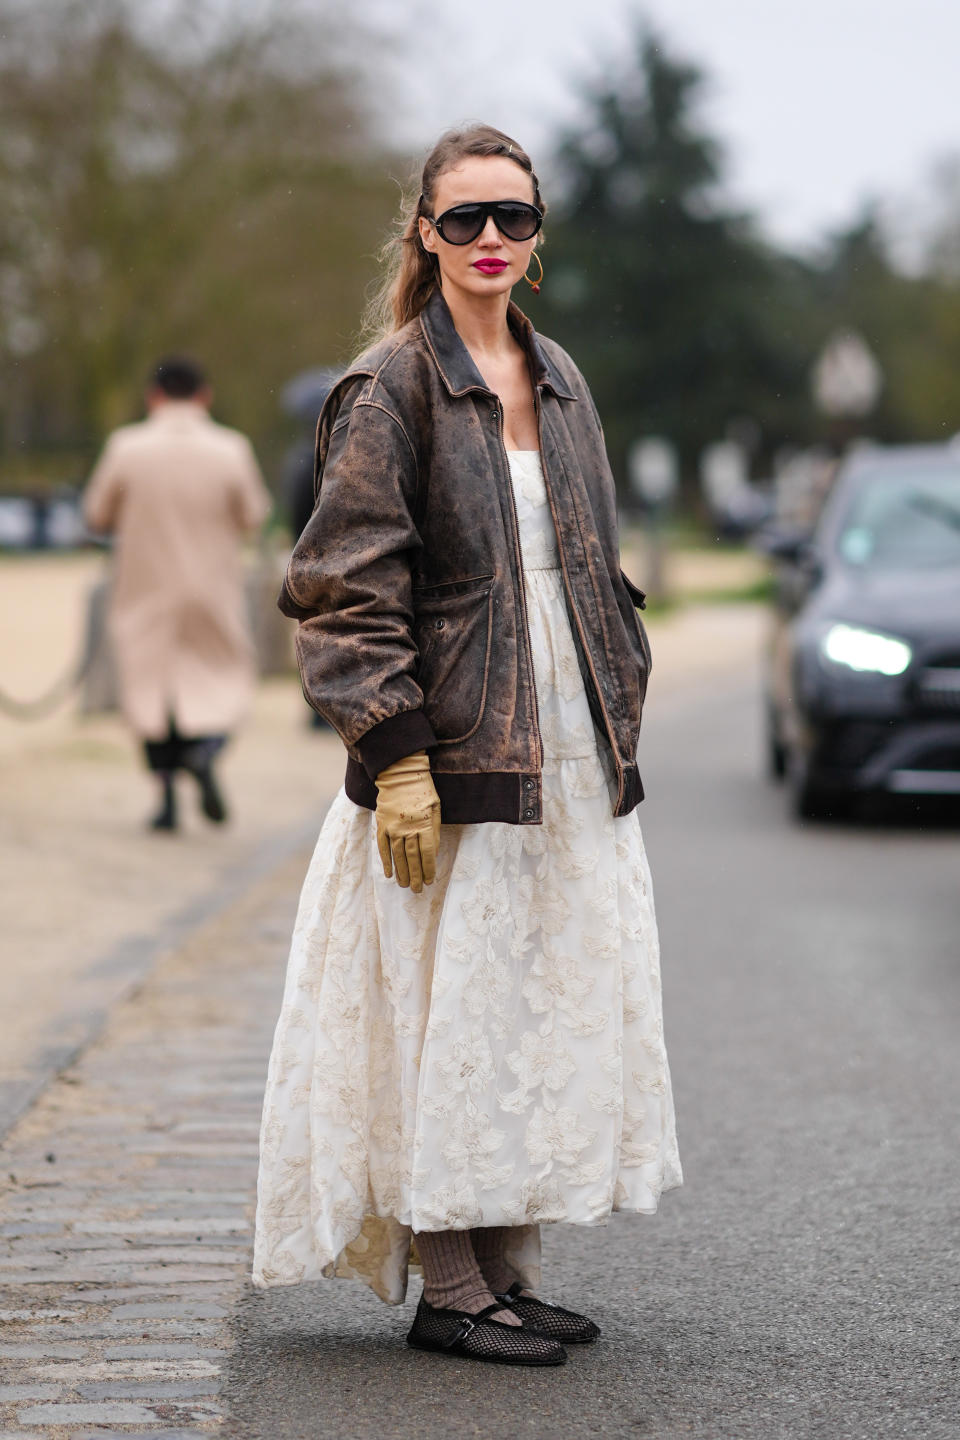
[[199, 761], [166, 816]]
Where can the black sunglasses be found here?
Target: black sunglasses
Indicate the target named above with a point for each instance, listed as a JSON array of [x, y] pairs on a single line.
[[463, 223]]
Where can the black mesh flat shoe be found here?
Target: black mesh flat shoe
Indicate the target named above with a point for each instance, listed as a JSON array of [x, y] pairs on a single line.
[[566, 1326], [477, 1337]]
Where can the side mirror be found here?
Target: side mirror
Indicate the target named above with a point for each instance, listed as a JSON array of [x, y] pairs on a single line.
[[794, 546], [801, 567]]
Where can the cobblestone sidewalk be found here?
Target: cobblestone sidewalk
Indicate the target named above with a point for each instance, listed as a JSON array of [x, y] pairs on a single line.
[[125, 1204]]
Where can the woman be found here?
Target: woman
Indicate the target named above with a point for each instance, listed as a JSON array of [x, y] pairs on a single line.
[[470, 1043]]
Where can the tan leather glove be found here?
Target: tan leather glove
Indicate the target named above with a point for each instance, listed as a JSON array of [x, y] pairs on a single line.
[[408, 821]]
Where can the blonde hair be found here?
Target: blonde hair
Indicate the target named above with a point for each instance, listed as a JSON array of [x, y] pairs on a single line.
[[409, 271]]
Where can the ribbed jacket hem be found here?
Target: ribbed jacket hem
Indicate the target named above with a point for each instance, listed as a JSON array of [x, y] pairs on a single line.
[[474, 799]]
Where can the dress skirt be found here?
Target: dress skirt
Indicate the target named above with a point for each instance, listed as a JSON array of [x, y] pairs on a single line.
[[490, 1051]]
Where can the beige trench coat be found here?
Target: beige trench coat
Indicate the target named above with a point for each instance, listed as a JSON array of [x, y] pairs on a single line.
[[178, 491]]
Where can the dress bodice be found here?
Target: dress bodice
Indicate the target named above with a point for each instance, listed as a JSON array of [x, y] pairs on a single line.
[[538, 539], [566, 726]]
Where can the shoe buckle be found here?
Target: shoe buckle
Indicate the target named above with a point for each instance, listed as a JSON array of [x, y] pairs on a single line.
[[463, 1331]]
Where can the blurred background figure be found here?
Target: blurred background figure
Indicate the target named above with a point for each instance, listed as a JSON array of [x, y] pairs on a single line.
[[178, 492], [303, 398]]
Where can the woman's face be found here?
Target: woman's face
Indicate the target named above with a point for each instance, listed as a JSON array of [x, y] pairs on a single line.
[[502, 261]]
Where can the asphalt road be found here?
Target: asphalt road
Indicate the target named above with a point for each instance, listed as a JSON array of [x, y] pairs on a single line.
[[805, 1281]]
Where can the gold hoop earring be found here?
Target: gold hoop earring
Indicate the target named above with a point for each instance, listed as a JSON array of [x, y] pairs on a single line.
[[535, 284]]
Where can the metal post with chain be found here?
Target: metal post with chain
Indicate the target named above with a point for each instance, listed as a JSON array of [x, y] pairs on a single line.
[[60, 691]]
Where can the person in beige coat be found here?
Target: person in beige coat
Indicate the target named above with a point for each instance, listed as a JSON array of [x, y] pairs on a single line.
[[178, 492]]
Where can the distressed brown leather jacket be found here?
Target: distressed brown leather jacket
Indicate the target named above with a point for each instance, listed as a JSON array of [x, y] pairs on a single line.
[[408, 580]]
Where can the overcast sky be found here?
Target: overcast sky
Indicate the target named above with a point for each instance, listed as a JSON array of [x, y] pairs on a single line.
[[819, 103]]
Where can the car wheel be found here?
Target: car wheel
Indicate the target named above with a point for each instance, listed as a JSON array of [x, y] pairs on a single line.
[[776, 750]]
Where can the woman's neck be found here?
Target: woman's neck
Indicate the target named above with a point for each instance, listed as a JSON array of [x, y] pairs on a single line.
[[481, 323]]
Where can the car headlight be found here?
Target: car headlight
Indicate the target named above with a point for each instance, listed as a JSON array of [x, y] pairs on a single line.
[[865, 650]]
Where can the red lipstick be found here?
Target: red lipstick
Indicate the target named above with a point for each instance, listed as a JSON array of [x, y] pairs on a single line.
[[490, 267]]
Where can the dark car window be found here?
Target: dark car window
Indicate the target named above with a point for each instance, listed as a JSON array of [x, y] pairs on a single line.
[[906, 520]]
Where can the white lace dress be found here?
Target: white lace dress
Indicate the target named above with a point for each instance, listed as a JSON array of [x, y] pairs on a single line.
[[489, 1052]]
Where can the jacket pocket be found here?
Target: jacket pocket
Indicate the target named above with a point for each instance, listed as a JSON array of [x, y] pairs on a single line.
[[638, 602], [453, 630]]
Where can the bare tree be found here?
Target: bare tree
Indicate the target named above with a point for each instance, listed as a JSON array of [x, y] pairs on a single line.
[[194, 182]]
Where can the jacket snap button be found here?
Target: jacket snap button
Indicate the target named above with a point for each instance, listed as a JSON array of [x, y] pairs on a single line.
[[528, 814], [529, 784], [439, 624]]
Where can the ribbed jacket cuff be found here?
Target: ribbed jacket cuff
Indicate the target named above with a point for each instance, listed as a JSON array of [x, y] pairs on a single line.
[[393, 738], [290, 607]]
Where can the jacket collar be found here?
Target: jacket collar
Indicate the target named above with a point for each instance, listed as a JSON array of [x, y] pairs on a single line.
[[179, 412], [457, 370]]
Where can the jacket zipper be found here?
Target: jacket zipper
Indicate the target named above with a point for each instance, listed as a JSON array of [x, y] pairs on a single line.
[[498, 411], [584, 648]]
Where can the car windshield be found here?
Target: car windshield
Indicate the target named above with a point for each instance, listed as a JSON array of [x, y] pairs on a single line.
[[906, 520]]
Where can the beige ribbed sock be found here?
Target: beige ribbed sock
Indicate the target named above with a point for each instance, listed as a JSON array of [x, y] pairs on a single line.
[[490, 1246], [451, 1275]]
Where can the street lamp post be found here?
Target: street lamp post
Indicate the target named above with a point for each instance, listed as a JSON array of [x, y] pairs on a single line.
[[653, 472], [846, 381]]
